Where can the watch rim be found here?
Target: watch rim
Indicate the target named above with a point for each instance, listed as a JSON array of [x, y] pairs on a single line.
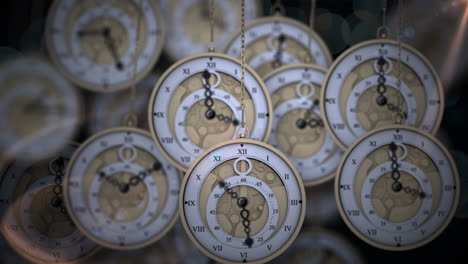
[[439, 230], [71, 212], [360, 45], [232, 142]]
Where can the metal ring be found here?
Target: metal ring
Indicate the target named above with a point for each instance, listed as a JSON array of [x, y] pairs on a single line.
[[249, 166], [218, 79]]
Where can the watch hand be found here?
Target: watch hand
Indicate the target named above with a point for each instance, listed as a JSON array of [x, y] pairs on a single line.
[[85, 33], [56, 168], [397, 186], [209, 102], [307, 120], [279, 52], [110, 44], [245, 213], [124, 187], [382, 99]]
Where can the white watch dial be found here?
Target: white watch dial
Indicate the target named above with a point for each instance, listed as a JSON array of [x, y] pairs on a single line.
[[397, 188], [120, 190]]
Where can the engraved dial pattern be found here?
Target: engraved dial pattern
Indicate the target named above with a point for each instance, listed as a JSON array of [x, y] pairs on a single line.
[[32, 223], [397, 188], [121, 191], [351, 95], [275, 41], [178, 114], [298, 129], [188, 24], [39, 109], [242, 171], [105, 45]]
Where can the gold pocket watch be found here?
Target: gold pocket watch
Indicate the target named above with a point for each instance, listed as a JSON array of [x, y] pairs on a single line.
[[188, 21], [120, 191], [298, 128], [397, 188], [92, 42], [242, 200], [277, 40], [381, 82], [35, 221], [196, 104], [39, 109]]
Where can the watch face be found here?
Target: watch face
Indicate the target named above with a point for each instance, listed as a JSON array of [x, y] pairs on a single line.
[[397, 188], [104, 45], [275, 41], [39, 109], [120, 190], [188, 23], [321, 246], [298, 128], [197, 104], [362, 91], [115, 109], [34, 219], [242, 201]]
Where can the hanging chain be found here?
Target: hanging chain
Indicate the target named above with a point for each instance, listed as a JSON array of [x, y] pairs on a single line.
[[211, 47], [57, 169], [244, 213], [313, 7], [132, 118], [382, 31], [243, 63]]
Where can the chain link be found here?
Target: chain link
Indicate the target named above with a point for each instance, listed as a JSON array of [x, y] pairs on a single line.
[[243, 62], [133, 181], [57, 168]]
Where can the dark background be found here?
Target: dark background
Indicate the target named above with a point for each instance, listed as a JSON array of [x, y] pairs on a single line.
[[341, 23]]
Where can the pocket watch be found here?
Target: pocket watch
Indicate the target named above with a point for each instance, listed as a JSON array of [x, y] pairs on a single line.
[[242, 201], [114, 109], [35, 221], [120, 191], [318, 245], [188, 23], [378, 83], [196, 104], [39, 109], [277, 40], [298, 129], [397, 188], [93, 42]]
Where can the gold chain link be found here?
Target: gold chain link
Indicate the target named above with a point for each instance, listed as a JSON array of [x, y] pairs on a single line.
[[243, 62], [313, 7]]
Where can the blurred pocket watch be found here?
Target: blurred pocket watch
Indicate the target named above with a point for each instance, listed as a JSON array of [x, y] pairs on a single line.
[[39, 109], [397, 188], [114, 109], [377, 83], [188, 24], [318, 245], [298, 128], [242, 201], [120, 191], [197, 104], [274, 41], [35, 221], [93, 42]]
